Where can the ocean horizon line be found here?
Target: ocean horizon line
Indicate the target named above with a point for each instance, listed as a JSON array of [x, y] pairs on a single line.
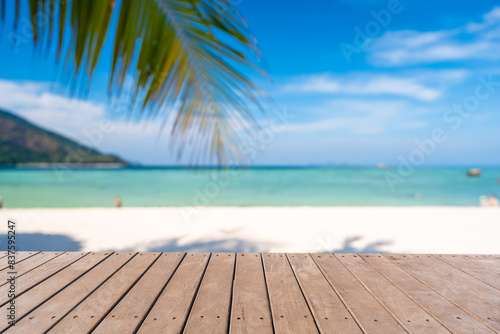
[[103, 166]]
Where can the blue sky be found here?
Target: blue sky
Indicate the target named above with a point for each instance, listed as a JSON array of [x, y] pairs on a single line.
[[425, 67]]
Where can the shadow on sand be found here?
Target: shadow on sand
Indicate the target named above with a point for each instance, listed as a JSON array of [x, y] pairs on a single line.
[[222, 245], [348, 247], [29, 242]]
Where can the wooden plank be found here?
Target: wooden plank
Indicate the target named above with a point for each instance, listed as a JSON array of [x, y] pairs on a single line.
[[250, 311], [40, 273], [475, 269], [95, 307], [490, 263], [127, 316], [448, 314], [45, 316], [32, 262], [410, 315], [357, 298], [171, 310], [329, 312], [3, 255], [483, 311], [483, 256], [20, 256], [491, 256], [67, 293], [472, 284], [48, 288], [210, 312], [288, 307]]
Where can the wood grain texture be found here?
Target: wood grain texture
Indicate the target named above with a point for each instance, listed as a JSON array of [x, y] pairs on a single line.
[[473, 268], [358, 299], [42, 292], [289, 308], [253, 293], [59, 305], [483, 311], [210, 312], [171, 310], [488, 256], [95, 307], [40, 273], [409, 314], [329, 311], [128, 314], [490, 263], [19, 257], [31, 263], [448, 314], [250, 311], [472, 284]]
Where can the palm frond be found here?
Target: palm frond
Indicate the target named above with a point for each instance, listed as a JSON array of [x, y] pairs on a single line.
[[189, 57]]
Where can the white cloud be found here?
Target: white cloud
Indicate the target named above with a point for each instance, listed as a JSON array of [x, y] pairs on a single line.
[[361, 117], [413, 86], [411, 39], [314, 84], [489, 19], [476, 40], [58, 113]]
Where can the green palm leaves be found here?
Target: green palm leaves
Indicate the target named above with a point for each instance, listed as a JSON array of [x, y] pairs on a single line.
[[193, 58]]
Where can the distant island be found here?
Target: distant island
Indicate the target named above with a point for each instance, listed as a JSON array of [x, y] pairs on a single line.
[[23, 144]]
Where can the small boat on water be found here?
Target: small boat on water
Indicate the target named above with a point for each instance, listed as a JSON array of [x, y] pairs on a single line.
[[474, 172]]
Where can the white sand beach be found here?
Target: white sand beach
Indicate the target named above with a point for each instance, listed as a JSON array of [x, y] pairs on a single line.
[[461, 230]]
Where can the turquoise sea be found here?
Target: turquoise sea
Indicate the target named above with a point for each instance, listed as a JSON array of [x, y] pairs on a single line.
[[24, 188]]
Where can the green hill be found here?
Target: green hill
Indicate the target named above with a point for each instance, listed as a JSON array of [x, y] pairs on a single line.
[[22, 142]]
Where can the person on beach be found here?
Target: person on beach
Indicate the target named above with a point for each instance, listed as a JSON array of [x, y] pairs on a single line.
[[493, 202], [118, 202]]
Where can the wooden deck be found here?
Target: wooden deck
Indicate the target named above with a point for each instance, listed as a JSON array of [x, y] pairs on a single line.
[[252, 293]]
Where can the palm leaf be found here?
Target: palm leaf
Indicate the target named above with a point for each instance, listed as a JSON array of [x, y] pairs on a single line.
[[189, 57]]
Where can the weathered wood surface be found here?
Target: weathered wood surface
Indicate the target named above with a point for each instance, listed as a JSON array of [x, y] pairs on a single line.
[[251, 293]]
